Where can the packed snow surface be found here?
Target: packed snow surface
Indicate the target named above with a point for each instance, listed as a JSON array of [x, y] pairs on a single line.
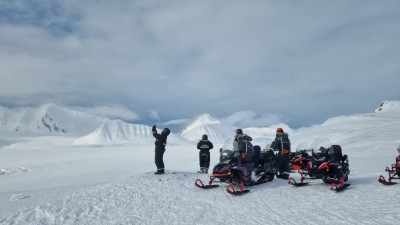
[[47, 179]]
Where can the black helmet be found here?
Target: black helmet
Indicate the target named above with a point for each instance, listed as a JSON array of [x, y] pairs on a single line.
[[205, 137], [239, 131], [165, 132]]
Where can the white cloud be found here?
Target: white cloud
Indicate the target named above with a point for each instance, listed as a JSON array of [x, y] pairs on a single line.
[[249, 119], [177, 122], [111, 111], [183, 58], [154, 115]]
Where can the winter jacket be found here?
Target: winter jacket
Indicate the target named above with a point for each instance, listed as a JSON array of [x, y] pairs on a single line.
[[161, 140], [245, 147], [281, 142], [205, 145]]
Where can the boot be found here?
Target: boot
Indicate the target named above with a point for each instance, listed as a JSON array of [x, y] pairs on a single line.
[[159, 172], [285, 175], [205, 170]]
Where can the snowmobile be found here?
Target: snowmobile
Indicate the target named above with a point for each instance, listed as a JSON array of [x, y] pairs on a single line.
[[238, 173], [393, 171], [298, 158], [326, 163]]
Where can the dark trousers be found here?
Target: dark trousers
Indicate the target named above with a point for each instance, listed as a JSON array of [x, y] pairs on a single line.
[[159, 158], [204, 158], [282, 163]]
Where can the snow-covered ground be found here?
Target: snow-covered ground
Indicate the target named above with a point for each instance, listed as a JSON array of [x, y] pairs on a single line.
[[49, 180]]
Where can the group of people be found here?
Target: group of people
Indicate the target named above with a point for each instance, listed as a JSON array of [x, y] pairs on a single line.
[[281, 144]]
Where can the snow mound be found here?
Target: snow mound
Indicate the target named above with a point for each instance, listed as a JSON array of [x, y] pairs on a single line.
[[117, 132], [389, 107]]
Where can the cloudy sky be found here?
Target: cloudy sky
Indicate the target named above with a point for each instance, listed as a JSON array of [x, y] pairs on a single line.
[[298, 62]]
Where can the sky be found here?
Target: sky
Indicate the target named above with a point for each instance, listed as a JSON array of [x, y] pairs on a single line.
[[297, 62]]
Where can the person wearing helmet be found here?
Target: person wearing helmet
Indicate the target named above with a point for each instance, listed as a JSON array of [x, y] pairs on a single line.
[[204, 145], [160, 143], [281, 144], [245, 146], [245, 168]]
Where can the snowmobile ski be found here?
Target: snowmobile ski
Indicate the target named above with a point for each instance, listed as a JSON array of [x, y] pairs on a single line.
[[339, 188], [385, 182], [200, 184], [294, 183], [231, 189], [238, 193]]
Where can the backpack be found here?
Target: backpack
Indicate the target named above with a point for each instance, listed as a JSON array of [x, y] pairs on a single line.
[[284, 144]]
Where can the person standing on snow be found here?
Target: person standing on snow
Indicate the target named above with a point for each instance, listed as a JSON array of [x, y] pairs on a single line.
[[204, 146], [160, 143], [282, 145]]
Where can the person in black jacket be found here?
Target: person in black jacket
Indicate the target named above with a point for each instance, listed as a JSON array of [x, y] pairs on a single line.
[[245, 146], [161, 142], [204, 146]]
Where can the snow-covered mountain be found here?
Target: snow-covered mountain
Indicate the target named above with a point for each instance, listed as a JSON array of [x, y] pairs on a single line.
[[219, 132], [383, 124], [119, 132], [116, 185], [206, 124], [48, 118], [265, 135], [389, 107], [115, 132]]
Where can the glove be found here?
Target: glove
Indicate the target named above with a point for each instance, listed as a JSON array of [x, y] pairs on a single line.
[[153, 128]]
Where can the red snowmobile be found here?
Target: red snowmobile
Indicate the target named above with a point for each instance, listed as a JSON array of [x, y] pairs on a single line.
[[237, 173], [393, 171], [326, 162]]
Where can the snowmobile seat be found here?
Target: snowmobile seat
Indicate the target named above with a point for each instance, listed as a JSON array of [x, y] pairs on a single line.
[[257, 155], [336, 154]]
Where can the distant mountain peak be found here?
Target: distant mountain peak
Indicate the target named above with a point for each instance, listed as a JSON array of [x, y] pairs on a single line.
[[201, 120], [388, 106], [48, 118]]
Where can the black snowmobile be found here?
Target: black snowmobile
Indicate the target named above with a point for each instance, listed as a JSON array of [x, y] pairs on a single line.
[[237, 172], [326, 162], [393, 171]]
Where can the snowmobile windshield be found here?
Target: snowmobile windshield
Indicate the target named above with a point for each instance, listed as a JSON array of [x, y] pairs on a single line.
[[302, 147], [321, 146], [230, 145], [398, 149]]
